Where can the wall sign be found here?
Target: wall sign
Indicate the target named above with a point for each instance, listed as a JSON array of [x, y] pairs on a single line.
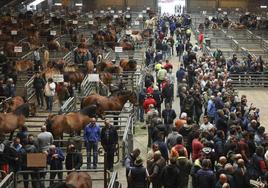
[[53, 33], [75, 22], [14, 32], [17, 49], [118, 49], [93, 77], [58, 78]]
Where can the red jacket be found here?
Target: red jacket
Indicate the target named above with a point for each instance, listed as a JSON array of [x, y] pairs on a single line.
[[197, 146], [147, 102], [168, 66], [150, 90]]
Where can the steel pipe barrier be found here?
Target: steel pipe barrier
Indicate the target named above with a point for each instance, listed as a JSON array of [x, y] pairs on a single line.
[[8, 181]]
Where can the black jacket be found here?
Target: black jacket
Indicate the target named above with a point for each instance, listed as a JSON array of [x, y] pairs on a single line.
[[168, 116], [38, 83], [157, 97], [109, 136], [171, 176], [73, 160]]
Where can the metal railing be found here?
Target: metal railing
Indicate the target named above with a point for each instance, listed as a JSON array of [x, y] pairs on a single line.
[[88, 87], [4, 100], [68, 106], [249, 80], [127, 142], [114, 183], [8, 181], [29, 88]]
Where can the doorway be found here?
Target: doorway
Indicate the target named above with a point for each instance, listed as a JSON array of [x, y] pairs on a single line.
[[171, 7]]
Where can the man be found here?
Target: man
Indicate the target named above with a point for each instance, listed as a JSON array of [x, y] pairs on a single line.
[[147, 102], [55, 158], [129, 162], [74, 159], [161, 75], [168, 115], [157, 169], [138, 175], [37, 60], [175, 150], [184, 165], [222, 180], [109, 140], [171, 175], [39, 85], [50, 91], [157, 95], [172, 138], [206, 126], [44, 139], [92, 136], [211, 109], [205, 176]]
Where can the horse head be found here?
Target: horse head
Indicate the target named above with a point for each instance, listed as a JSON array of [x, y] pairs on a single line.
[[130, 96], [49, 121], [33, 109]]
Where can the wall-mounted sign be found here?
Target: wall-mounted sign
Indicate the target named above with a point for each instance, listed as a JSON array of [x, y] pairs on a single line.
[[90, 22], [115, 16], [17, 49], [93, 77], [136, 23], [140, 16], [112, 11], [75, 22], [237, 9], [148, 8], [58, 78], [102, 11], [14, 32], [219, 9], [53, 33], [144, 11], [128, 32], [118, 49], [128, 16], [120, 12], [128, 8], [225, 13]]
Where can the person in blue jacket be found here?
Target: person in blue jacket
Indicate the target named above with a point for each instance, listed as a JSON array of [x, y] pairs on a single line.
[[92, 134]]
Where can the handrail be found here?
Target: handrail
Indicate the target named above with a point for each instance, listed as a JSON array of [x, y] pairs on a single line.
[[29, 88], [4, 101], [127, 142], [113, 181], [68, 106], [8, 181]]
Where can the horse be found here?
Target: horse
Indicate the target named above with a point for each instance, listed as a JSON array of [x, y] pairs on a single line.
[[23, 65], [112, 103], [128, 65], [127, 45], [11, 105], [54, 45], [50, 72], [75, 180], [100, 67], [70, 123], [90, 67], [74, 77]]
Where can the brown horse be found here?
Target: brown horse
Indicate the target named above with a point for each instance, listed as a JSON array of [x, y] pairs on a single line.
[[75, 180], [112, 103], [14, 103], [126, 45], [90, 67], [74, 77], [50, 72], [100, 67], [10, 122], [128, 65], [70, 123], [23, 65]]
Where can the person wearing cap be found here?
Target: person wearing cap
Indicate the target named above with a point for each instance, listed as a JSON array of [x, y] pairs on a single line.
[[109, 140], [39, 84], [138, 174], [55, 158], [74, 159], [161, 75], [157, 95], [148, 101]]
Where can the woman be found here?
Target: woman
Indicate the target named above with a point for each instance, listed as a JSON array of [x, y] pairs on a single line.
[[50, 89]]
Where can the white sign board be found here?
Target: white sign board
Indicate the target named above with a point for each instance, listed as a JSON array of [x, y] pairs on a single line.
[[148, 8], [219, 9], [115, 16], [144, 11], [237, 9], [128, 8], [118, 49], [225, 13], [128, 16], [58, 78], [90, 22], [102, 11], [109, 8], [112, 11], [90, 16], [46, 22], [204, 12], [17, 49], [14, 32], [75, 22], [210, 17], [128, 32], [258, 18], [53, 33], [140, 16], [136, 23], [93, 77], [120, 11]]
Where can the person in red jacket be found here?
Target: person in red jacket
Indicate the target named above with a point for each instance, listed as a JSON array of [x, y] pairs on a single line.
[[149, 100], [201, 39], [197, 146], [168, 65], [150, 89]]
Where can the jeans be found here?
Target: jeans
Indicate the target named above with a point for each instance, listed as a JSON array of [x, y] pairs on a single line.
[[92, 146], [49, 100], [141, 113], [39, 96]]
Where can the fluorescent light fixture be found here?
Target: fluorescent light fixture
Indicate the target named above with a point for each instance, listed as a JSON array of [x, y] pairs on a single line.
[[58, 4], [78, 4], [36, 2], [263, 6]]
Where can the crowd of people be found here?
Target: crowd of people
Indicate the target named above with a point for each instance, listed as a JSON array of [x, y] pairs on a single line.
[[13, 156], [216, 137]]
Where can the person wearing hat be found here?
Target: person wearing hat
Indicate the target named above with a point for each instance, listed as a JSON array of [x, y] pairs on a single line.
[[148, 101], [138, 175], [39, 84]]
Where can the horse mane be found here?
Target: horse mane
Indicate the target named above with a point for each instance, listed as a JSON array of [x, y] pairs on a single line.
[[22, 110]]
